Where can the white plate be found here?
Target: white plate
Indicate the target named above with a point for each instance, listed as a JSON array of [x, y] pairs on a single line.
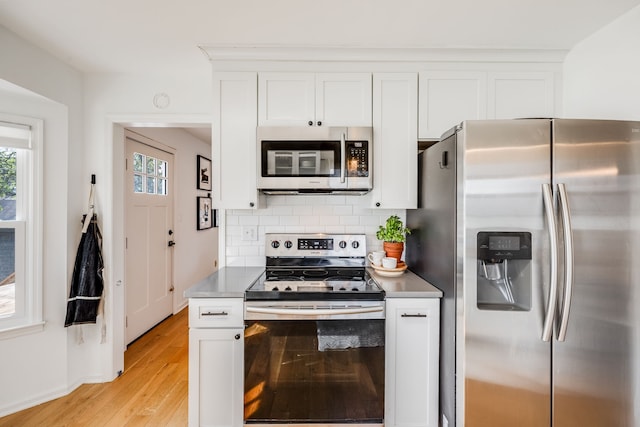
[[390, 272]]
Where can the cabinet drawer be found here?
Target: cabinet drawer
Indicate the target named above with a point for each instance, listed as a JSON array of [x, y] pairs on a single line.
[[215, 312]]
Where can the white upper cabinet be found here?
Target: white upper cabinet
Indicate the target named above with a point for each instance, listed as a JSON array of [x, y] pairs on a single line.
[[516, 95], [234, 140], [395, 139], [308, 99], [448, 97]]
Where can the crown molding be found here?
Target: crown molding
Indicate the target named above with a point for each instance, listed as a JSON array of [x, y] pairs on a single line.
[[377, 54]]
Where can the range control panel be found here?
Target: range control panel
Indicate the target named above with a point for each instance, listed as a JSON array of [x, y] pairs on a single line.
[[315, 245]]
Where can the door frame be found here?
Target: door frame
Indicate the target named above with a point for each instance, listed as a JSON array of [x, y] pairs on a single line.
[[113, 224]]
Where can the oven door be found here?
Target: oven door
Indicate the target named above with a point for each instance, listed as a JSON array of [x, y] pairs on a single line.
[[306, 368]]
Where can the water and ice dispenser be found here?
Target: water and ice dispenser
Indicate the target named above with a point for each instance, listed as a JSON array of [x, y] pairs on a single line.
[[504, 271]]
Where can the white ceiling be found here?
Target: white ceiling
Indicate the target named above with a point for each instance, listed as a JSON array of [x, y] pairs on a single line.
[[164, 35]]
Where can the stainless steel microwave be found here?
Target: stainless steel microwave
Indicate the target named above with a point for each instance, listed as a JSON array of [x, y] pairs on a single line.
[[304, 160]]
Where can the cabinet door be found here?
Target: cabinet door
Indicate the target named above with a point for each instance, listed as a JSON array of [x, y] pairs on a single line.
[[234, 140], [215, 377], [513, 95], [343, 99], [395, 139], [286, 99], [412, 355], [446, 98]]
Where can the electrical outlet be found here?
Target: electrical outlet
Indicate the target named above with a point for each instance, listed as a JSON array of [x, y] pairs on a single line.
[[249, 232]]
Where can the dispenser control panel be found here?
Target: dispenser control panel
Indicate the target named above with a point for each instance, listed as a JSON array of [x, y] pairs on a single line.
[[498, 245]]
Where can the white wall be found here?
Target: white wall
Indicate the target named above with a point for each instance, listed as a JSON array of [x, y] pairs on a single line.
[[35, 368], [601, 72], [79, 142], [112, 102], [196, 250]]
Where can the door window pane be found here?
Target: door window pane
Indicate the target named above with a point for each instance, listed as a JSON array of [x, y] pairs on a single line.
[[150, 175], [162, 168], [162, 187], [138, 161], [151, 187], [151, 166], [138, 184]]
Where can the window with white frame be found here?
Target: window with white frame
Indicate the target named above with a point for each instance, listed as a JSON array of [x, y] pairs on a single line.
[[20, 224]]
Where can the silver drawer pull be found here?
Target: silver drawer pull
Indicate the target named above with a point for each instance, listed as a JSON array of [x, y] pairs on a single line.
[[211, 313], [413, 315]]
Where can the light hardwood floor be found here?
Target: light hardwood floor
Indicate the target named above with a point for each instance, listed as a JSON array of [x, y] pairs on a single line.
[[152, 391]]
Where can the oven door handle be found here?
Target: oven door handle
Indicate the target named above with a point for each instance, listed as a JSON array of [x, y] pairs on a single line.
[[313, 311]]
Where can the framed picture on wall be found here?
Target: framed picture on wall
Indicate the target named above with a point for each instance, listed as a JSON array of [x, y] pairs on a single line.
[[205, 213], [204, 173]]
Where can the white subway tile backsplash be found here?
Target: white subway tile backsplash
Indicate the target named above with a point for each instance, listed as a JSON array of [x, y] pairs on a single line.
[[310, 220], [249, 220], [303, 210], [266, 220], [349, 220], [342, 210], [301, 214]]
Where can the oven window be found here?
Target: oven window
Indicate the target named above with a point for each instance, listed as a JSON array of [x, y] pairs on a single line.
[[308, 371]]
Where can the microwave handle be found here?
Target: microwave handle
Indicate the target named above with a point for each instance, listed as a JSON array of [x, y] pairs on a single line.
[[343, 160]]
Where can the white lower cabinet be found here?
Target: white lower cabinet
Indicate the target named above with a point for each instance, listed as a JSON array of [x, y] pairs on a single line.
[[216, 355], [216, 358], [412, 360]]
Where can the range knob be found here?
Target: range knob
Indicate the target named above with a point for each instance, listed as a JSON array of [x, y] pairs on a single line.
[[355, 244], [342, 244], [288, 288], [288, 244], [275, 244], [275, 288]]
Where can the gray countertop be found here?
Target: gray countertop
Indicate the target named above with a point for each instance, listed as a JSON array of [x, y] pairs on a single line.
[[228, 282], [407, 285], [231, 282]]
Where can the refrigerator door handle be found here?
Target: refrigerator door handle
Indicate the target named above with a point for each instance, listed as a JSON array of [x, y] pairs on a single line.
[[568, 257], [547, 197]]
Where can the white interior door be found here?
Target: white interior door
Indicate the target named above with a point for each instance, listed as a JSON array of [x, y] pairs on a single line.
[[149, 236]]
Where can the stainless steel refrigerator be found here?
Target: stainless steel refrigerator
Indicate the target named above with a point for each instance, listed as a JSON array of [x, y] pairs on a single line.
[[531, 230]]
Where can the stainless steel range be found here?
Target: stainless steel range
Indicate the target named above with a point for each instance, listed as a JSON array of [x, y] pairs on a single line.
[[314, 334], [304, 267]]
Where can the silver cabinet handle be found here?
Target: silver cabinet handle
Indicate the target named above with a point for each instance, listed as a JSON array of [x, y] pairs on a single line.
[[553, 274], [216, 313], [568, 259], [343, 160], [413, 315]]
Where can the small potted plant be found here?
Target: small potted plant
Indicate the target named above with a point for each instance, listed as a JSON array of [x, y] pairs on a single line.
[[393, 235]]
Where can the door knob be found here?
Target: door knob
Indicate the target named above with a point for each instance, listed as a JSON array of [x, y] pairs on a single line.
[[171, 243]]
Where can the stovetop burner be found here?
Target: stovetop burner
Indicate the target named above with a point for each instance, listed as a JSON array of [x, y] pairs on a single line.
[[315, 267]]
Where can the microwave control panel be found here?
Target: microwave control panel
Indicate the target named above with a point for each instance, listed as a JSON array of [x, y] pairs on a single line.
[[357, 158]]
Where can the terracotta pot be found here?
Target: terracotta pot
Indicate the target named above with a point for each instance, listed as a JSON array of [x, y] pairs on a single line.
[[393, 249]]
